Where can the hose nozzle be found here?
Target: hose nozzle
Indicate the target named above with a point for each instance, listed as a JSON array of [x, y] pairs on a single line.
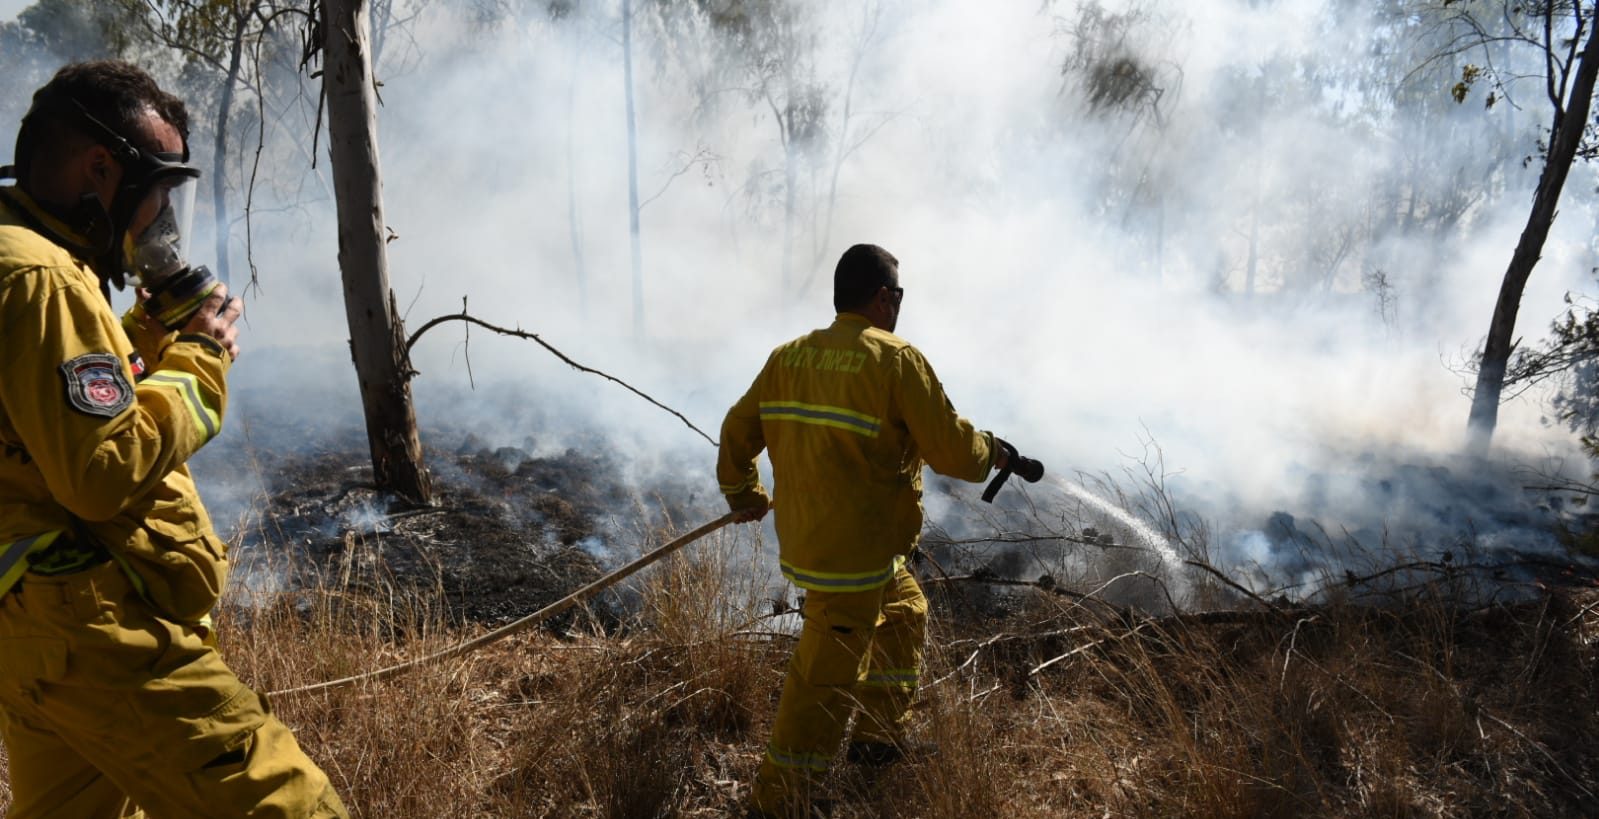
[[1029, 469]]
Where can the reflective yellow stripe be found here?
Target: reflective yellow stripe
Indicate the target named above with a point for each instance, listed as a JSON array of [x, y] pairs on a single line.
[[734, 489], [893, 678], [12, 563], [188, 386], [841, 582], [797, 759], [822, 415], [13, 566]]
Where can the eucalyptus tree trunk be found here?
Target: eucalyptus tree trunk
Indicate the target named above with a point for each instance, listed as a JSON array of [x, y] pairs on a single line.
[[377, 335], [574, 219], [790, 207], [219, 153], [632, 172], [1566, 131]]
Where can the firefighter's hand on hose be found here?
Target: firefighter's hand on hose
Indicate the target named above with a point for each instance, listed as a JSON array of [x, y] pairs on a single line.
[[216, 319], [750, 514], [1008, 461]]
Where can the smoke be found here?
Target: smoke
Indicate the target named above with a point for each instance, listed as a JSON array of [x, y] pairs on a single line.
[[1258, 236]]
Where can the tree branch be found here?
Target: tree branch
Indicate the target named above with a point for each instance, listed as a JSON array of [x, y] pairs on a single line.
[[520, 333], [703, 156]]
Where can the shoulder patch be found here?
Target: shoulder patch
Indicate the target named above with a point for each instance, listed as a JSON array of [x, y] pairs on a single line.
[[96, 385]]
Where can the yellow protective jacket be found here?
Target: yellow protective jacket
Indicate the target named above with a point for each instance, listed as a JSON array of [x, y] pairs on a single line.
[[850, 413], [93, 432]]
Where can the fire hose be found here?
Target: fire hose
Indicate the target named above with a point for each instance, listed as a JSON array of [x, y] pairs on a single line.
[[522, 624]]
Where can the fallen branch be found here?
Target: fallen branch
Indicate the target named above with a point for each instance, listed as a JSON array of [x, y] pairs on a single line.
[[1074, 652], [1218, 617], [1233, 584], [1041, 585], [1587, 610], [1017, 537]]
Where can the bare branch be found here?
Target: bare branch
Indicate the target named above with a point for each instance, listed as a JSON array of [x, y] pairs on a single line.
[[701, 157], [1232, 584], [534, 337]]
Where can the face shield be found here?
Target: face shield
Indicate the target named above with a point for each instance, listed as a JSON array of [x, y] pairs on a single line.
[[156, 247], [161, 250]]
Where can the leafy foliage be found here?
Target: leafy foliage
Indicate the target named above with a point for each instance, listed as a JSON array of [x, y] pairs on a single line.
[[1107, 60], [73, 30], [1570, 359]]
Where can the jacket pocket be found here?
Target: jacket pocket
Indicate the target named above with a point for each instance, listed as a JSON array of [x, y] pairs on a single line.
[[171, 556], [188, 570]]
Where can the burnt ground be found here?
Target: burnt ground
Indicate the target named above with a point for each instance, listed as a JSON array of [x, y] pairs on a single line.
[[515, 527], [510, 531], [507, 533]]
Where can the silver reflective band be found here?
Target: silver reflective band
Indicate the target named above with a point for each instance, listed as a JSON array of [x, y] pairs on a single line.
[[822, 415], [840, 582], [189, 387], [795, 759]]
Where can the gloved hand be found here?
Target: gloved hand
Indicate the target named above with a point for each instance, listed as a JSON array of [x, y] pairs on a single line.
[[750, 505], [750, 514], [1012, 462]]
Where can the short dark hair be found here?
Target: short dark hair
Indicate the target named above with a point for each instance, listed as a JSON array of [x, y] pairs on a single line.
[[115, 92], [860, 272]]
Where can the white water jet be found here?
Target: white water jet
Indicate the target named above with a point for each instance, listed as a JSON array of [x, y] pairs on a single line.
[[1141, 530]]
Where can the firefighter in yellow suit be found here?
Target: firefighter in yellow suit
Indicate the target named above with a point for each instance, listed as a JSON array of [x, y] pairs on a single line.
[[849, 414], [112, 700]]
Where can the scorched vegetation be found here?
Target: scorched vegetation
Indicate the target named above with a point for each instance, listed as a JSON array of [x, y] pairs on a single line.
[[1046, 696]]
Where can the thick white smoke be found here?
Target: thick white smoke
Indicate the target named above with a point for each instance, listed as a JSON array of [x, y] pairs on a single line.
[[1078, 275]]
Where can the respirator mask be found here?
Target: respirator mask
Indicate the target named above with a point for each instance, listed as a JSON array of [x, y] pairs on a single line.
[[158, 257]]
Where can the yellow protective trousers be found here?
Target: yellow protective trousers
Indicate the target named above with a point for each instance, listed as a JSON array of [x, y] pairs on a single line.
[[107, 709], [859, 652]]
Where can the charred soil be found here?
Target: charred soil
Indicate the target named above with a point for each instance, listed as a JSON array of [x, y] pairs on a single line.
[[507, 533]]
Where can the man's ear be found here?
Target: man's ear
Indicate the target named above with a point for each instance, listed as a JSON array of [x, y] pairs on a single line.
[[101, 166]]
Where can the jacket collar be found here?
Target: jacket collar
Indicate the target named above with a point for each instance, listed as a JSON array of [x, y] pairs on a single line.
[[38, 217], [852, 318]]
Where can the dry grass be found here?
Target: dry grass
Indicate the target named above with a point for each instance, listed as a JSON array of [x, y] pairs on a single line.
[[1416, 708]]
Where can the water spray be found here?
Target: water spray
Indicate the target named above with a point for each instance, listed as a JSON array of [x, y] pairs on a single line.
[[1032, 471], [1146, 535]]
